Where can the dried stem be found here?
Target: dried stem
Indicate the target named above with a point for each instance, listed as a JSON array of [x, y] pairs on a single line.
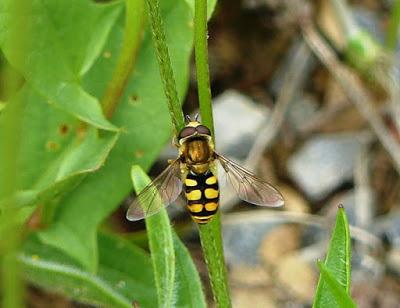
[[353, 88]]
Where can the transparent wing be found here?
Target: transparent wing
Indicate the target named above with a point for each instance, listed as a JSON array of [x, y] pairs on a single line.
[[161, 192], [248, 186]]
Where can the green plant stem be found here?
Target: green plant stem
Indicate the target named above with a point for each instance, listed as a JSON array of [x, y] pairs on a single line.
[[210, 234], [393, 27], [164, 63], [134, 27], [11, 232], [211, 242], [10, 138], [201, 56]]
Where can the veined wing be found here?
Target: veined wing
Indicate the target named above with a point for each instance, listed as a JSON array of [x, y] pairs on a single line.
[[161, 192], [248, 186]]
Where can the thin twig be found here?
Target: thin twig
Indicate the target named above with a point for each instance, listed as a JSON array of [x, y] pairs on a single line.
[[354, 90], [271, 216], [344, 17], [364, 199], [293, 79]]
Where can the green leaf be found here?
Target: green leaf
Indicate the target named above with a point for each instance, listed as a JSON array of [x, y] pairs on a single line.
[[181, 288], [55, 153], [335, 290], [61, 41], [188, 288], [144, 118], [337, 262], [161, 244], [124, 274]]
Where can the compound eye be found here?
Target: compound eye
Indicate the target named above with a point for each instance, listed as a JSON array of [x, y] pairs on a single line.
[[186, 132], [201, 129]]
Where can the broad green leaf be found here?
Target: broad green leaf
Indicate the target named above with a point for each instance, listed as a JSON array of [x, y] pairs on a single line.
[[341, 298], [124, 275], [179, 288], [161, 244], [61, 41], [189, 291], [55, 151], [2, 105], [337, 261], [143, 115]]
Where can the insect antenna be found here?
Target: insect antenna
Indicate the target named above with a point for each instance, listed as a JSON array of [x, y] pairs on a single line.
[[188, 119], [196, 117]]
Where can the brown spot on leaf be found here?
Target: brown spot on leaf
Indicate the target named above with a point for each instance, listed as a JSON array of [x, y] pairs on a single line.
[[52, 146], [139, 153], [63, 129], [81, 131], [133, 99]]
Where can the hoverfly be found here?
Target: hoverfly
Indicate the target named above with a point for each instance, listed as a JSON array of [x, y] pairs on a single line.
[[195, 171]]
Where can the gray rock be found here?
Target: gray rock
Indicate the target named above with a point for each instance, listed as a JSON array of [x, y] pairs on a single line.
[[237, 122], [303, 109], [324, 163], [242, 241]]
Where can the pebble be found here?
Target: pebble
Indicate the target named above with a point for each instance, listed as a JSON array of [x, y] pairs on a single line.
[[298, 276], [237, 122], [324, 163]]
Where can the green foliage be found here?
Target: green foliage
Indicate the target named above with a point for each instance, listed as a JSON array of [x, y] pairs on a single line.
[[142, 115], [333, 288], [363, 52], [62, 39], [175, 275], [117, 283], [160, 242], [75, 163]]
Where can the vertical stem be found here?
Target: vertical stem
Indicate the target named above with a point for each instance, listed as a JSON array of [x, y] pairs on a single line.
[[201, 56], [11, 233], [10, 137], [211, 242], [133, 33], [164, 63], [210, 233], [393, 27]]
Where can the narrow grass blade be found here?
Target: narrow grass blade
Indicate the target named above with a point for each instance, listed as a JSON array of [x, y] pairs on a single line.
[[188, 289], [161, 244], [177, 280], [118, 282]]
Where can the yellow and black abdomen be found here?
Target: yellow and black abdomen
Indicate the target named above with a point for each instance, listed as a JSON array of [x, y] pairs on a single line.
[[202, 194]]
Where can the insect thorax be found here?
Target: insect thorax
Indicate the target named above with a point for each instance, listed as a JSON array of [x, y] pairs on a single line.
[[197, 153]]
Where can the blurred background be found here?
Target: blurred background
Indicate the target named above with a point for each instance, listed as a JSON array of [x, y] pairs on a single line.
[[306, 95]]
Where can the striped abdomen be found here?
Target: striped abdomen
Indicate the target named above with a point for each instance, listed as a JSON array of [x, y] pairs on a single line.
[[202, 196]]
